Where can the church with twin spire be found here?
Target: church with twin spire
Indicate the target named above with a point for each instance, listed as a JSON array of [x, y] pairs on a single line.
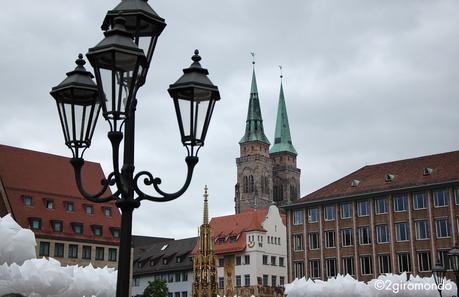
[[266, 173]]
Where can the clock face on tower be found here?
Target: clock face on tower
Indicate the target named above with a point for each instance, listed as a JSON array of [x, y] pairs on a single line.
[[251, 244]]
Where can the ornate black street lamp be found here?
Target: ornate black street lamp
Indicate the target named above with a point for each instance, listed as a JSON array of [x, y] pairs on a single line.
[[439, 274], [121, 66], [453, 256]]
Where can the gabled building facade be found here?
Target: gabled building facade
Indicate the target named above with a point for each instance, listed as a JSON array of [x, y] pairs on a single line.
[[266, 174], [40, 193], [394, 217], [169, 260], [251, 252]]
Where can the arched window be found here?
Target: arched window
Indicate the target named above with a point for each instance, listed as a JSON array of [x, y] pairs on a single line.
[[266, 185], [251, 184], [292, 192], [246, 184]]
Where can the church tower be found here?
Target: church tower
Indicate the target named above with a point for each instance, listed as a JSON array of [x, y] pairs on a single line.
[[286, 175], [254, 166]]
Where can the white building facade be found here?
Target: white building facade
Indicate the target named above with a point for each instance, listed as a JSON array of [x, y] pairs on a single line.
[[251, 252]]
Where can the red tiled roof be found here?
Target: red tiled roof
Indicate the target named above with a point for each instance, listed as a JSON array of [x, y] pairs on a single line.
[[44, 176], [407, 173]]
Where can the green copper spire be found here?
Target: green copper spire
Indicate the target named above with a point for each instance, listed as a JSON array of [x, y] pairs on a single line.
[[254, 125], [282, 138]]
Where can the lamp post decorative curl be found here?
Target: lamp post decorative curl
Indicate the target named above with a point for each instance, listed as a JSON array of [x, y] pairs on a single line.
[[439, 275], [120, 66]]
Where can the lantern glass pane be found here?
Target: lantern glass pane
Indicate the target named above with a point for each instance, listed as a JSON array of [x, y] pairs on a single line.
[[201, 108], [64, 121], [185, 113]]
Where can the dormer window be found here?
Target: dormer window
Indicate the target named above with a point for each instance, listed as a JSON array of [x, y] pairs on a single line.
[[355, 183], [88, 209], [97, 230], [221, 240], [69, 206], [107, 212], [77, 227], [389, 177], [233, 239], [427, 171], [152, 262], [56, 225], [115, 232], [27, 200], [49, 203], [178, 260], [35, 223], [165, 261]]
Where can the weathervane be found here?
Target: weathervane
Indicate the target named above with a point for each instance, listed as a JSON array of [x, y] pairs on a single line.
[[281, 76], [253, 57]]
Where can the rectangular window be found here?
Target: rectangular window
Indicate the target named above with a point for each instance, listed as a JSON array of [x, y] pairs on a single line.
[[314, 268], [88, 209], [329, 213], [281, 281], [346, 210], [86, 252], [443, 258], [265, 260], [313, 241], [382, 234], [170, 278], [221, 282], [330, 266], [247, 280], [400, 202], [96, 230], [440, 198], [238, 281], [366, 265], [330, 239], [273, 260], [346, 237], [265, 280], [136, 282], [27, 200], [73, 251], [422, 229], [419, 201], [401, 231], [100, 253], [424, 261], [362, 208], [69, 206], [44, 249], [221, 262], [112, 255], [185, 294], [184, 277], [442, 227], [297, 217], [364, 235], [58, 249], [273, 280], [456, 194], [298, 242], [381, 206], [281, 262], [384, 264], [238, 260], [313, 215], [247, 260], [348, 265], [298, 269], [404, 262]]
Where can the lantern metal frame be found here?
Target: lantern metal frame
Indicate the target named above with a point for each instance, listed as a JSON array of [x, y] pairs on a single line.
[[126, 25], [439, 275]]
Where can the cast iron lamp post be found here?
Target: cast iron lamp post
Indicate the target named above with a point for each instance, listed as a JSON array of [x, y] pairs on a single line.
[[453, 256], [439, 274], [120, 67]]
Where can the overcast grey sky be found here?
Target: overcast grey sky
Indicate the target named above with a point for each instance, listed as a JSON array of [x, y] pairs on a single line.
[[365, 82]]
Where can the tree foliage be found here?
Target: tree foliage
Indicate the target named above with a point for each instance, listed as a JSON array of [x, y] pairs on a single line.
[[156, 288]]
